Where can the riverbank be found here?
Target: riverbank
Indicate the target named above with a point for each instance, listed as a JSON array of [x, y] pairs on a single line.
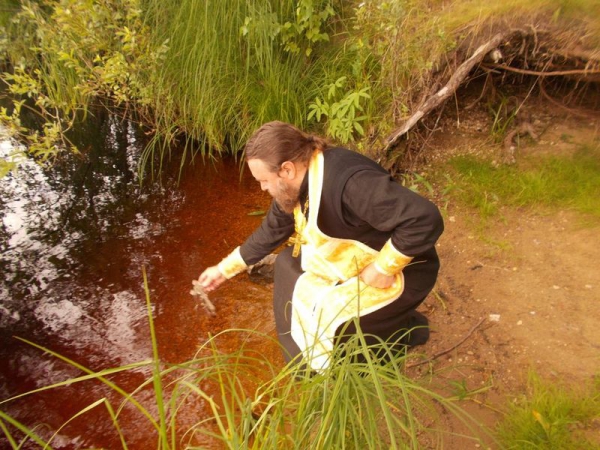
[[518, 291]]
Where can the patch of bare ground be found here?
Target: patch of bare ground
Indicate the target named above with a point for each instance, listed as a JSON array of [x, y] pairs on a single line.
[[521, 291]]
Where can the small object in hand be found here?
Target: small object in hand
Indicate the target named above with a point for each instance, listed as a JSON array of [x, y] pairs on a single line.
[[198, 291]]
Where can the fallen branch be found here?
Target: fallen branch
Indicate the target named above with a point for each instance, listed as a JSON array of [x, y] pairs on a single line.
[[443, 94], [443, 352]]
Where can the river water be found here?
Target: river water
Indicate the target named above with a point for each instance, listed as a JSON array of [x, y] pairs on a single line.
[[74, 240]]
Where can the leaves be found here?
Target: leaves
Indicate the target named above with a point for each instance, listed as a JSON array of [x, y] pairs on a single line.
[[298, 35], [341, 110], [70, 52]]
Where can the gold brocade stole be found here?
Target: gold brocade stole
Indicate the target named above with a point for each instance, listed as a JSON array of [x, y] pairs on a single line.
[[329, 292]]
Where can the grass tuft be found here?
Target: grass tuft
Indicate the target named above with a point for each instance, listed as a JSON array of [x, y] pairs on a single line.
[[241, 400], [552, 416], [556, 182]]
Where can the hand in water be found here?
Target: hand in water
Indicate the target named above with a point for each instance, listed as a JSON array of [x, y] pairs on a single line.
[[211, 278], [199, 292]]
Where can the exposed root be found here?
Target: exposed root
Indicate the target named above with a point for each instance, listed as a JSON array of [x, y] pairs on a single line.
[[556, 73], [449, 89], [524, 128], [556, 103], [486, 87], [508, 57]]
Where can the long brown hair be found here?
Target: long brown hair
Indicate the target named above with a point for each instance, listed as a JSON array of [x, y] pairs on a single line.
[[277, 142]]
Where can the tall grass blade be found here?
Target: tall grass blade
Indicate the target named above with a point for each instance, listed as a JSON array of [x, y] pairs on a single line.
[[115, 421], [25, 430], [8, 435], [91, 375], [156, 372], [78, 414]]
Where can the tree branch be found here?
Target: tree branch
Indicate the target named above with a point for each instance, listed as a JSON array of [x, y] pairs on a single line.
[[544, 74], [448, 350], [443, 94]]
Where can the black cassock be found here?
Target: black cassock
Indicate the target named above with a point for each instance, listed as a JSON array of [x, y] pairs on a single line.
[[359, 201]]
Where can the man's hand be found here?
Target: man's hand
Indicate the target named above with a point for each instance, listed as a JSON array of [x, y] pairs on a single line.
[[372, 277], [211, 278]]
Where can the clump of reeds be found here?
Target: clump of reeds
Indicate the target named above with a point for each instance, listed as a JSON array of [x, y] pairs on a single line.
[[362, 400]]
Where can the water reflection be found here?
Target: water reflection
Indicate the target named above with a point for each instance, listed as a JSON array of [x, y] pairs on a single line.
[[55, 221], [52, 218], [73, 241]]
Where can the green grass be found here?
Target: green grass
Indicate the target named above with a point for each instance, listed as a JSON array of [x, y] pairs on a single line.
[[555, 182], [242, 400], [353, 405], [553, 416], [216, 85], [209, 73], [8, 8], [249, 403]]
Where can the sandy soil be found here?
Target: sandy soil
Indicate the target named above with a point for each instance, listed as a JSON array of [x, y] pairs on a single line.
[[523, 292]]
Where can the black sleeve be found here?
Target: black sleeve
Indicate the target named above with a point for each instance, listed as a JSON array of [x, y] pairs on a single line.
[[274, 230], [376, 198]]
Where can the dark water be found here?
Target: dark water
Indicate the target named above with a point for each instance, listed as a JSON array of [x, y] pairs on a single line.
[[74, 240]]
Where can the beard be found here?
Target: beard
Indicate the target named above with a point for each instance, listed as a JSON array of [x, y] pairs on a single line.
[[287, 197]]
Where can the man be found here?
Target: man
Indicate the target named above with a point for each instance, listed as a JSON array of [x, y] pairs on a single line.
[[361, 244]]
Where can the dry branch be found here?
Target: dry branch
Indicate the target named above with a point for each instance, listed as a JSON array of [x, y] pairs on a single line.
[[443, 94], [555, 73], [448, 350]]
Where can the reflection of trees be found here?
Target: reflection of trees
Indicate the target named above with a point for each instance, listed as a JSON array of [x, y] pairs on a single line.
[[102, 179], [61, 215]]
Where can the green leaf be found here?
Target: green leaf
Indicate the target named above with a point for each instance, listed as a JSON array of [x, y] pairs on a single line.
[[358, 127], [340, 82], [331, 92]]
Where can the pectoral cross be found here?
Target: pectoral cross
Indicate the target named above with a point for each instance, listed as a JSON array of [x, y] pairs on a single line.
[[299, 224], [296, 240]]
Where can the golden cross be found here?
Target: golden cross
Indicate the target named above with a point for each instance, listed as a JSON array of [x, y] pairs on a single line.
[[296, 240], [299, 223]]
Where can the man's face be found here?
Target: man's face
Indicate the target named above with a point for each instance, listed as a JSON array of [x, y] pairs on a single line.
[[279, 187]]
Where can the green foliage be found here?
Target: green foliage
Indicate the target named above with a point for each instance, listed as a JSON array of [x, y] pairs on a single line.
[[341, 110], [407, 40], [416, 182], [8, 8], [554, 182], [308, 25], [99, 48], [211, 72], [301, 33], [252, 404], [233, 66], [67, 54], [551, 416], [502, 119]]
